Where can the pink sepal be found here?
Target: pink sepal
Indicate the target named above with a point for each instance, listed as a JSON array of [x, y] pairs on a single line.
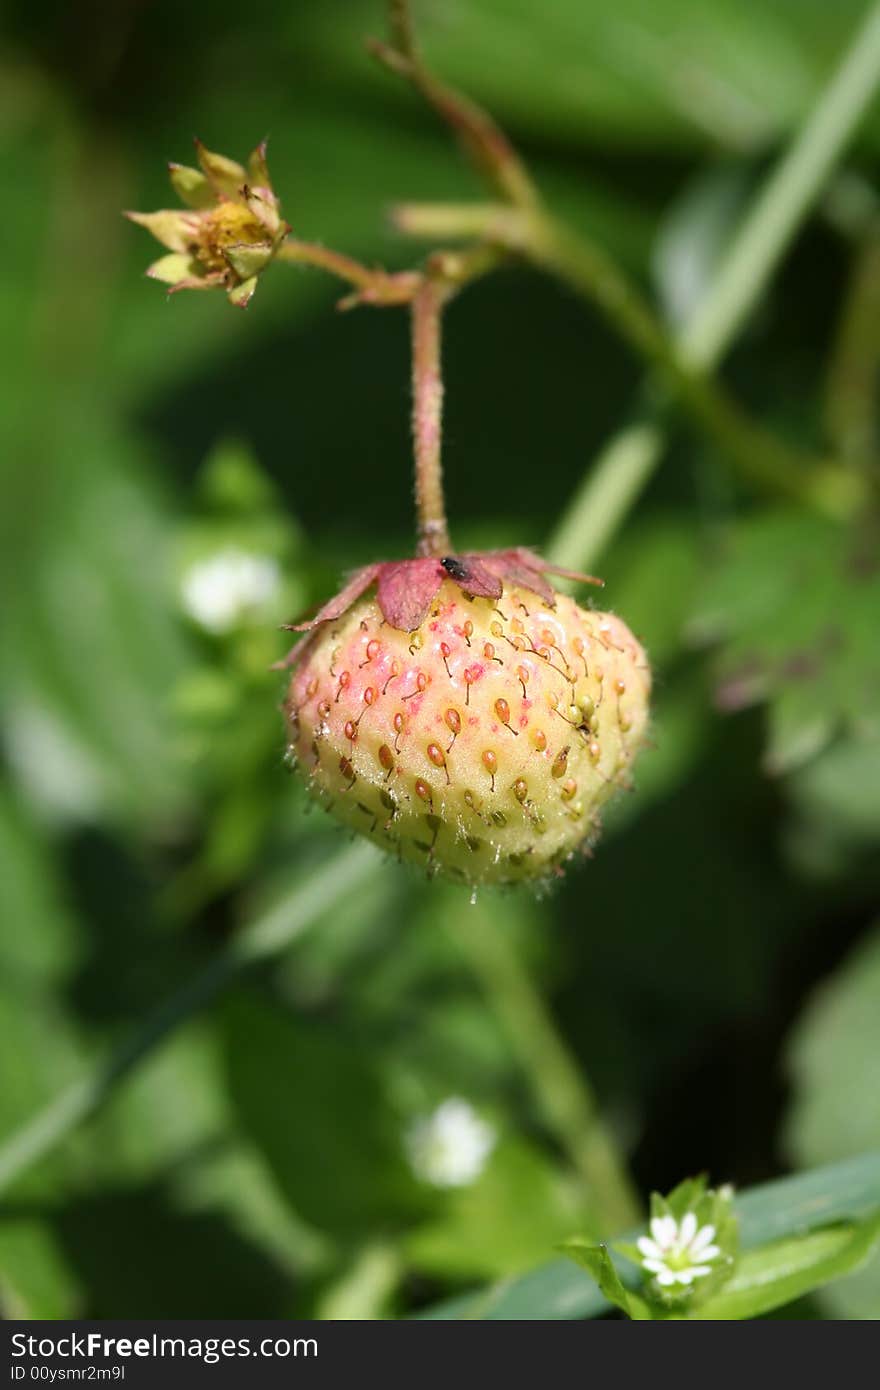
[[335, 607], [407, 589]]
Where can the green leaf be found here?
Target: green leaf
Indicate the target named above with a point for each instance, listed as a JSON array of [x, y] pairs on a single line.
[[794, 602], [318, 1111], [195, 1262], [776, 1274], [597, 1261], [93, 647], [501, 1223], [729, 74], [39, 936], [832, 1060], [36, 1281], [652, 576], [837, 795]]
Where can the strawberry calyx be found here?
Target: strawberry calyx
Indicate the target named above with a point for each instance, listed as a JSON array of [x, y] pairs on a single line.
[[405, 589]]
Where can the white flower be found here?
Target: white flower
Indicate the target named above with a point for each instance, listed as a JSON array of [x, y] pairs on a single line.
[[449, 1147], [220, 591], [677, 1252]]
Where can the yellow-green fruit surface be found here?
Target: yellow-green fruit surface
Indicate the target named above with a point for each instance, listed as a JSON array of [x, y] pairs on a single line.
[[481, 746]]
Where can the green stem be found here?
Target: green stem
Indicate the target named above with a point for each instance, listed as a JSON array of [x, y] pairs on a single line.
[[561, 1090], [851, 391], [605, 496], [758, 455], [755, 253], [272, 933], [789, 193]]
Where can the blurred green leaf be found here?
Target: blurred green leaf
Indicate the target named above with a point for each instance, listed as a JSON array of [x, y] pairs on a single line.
[[92, 650], [794, 600], [501, 1223], [35, 1279], [682, 73], [39, 935], [173, 1105], [837, 799], [653, 576], [832, 1058], [317, 1110], [195, 1262], [41, 1051]]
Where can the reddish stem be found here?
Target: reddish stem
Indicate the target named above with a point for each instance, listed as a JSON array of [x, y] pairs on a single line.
[[427, 410]]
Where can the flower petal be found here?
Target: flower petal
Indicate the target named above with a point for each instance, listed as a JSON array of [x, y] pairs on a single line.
[[241, 295], [698, 1271], [191, 186], [687, 1228], [653, 1266], [666, 1277], [214, 281], [709, 1252], [649, 1247], [225, 175], [664, 1229], [264, 207], [172, 228], [258, 169], [704, 1236], [172, 269]]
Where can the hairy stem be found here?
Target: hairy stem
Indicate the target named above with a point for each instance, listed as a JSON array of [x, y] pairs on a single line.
[[427, 414], [484, 142], [372, 285]]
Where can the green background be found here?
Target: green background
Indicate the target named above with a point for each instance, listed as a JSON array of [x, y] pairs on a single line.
[[714, 970]]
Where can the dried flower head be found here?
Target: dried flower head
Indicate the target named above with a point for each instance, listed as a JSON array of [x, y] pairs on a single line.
[[229, 232]]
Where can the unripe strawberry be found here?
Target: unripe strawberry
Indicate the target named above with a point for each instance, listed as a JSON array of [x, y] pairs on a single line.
[[467, 717]]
